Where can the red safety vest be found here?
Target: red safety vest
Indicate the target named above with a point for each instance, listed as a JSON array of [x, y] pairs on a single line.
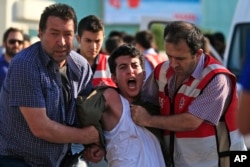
[[155, 59], [102, 75], [208, 145]]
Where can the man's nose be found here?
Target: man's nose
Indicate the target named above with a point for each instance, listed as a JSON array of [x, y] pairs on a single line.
[[173, 63], [61, 40], [130, 69], [93, 45]]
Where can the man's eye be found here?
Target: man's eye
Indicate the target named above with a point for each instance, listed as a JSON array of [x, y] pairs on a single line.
[[135, 66], [54, 33], [87, 41], [68, 34], [122, 67]]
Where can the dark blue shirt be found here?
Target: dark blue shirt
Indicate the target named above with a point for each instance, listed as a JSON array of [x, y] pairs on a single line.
[[245, 73], [32, 82], [3, 69], [245, 76]]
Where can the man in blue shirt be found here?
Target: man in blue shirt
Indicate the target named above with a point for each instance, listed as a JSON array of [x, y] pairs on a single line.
[[13, 43], [37, 100]]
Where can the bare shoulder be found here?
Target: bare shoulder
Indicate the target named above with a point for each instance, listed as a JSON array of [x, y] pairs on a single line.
[[113, 111], [111, 94], [111, 90]]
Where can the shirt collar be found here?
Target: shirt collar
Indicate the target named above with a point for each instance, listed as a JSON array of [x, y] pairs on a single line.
[[48, 61], [198, 70], [150, 51]]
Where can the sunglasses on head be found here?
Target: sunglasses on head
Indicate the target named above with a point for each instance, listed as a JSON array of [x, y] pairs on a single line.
[[13, 41]]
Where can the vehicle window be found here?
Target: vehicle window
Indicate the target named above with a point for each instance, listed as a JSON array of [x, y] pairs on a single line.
[[239, 47]]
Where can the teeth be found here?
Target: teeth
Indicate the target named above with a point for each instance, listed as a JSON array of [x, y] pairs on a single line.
[[132, 83]]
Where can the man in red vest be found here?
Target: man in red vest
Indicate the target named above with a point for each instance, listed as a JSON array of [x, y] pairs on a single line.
[[198, 100], [90, 37]]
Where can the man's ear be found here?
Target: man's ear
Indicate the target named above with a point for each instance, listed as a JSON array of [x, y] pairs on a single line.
[[40, 32], [199, 52], [4, 44], [78, 38], [113, 77]]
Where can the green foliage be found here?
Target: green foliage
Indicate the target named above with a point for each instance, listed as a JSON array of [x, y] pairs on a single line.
[[157, 30]]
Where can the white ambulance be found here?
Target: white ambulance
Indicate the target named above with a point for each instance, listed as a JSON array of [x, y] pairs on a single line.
[[238, 39]]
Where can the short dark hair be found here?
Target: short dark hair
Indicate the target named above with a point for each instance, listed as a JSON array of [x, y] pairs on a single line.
[[90, 23], [115, 33], [63, 11], [124, 50], [9, 30], [26, 37], [145, 38], [130, 39], [219, 36], [180, 30], [112, 43]]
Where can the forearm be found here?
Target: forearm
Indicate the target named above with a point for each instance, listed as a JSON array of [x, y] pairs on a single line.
[[244, 114], [43, 127], [179, 122], [59, 133]]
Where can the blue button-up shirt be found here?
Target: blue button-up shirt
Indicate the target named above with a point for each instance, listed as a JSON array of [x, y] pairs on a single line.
[[31, 82]]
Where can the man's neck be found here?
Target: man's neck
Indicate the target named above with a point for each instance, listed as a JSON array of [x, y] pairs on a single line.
[[178, 80], [61, 64], [91, 60], [7, 58]]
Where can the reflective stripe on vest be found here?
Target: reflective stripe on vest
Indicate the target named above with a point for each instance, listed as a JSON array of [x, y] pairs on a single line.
[[102, 75]]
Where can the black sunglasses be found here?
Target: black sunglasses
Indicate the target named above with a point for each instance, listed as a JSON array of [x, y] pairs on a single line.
[[13, 41]]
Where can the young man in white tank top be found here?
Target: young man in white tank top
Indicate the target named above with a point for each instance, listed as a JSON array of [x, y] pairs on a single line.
[[126, 143]]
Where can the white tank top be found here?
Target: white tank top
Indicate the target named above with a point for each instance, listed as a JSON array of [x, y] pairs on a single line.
[[130, 145]]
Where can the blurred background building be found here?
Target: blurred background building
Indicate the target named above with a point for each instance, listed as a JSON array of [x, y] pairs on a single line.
[[123, 15]]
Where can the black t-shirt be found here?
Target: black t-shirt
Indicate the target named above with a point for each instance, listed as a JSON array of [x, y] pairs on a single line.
[[65, 86]]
